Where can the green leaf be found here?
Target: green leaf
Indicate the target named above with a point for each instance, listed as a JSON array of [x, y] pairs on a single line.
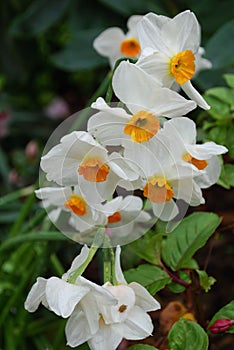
[[148, 247], [215, 51], [176, 287], [187, 335], [205, 281], [142, 347], [151, 277], [222, 93], [32, 237], [191, 234], [39, 16], [229, 78], [227, 176], [226, 312], [79, 53]]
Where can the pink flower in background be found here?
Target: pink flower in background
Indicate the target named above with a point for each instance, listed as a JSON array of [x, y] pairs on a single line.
[[57, 109], [4, 123]]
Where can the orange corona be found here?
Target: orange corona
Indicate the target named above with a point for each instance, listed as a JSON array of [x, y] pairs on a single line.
[[182, 66], [116, 217], [142, 126], [130, 47], [158, 190], [200, 164], [76, 205], [94, 170]]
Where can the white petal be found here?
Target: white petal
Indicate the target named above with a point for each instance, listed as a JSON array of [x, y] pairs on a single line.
[[143, 298], [192, 93], [62, 297], [36, 295], [165, 211], [211, 174], [121, 167], [183, 128], [149, 31], [77, 329], [77, 262], [156, 65], [138, 325], [133, 21], [56, 196], [118, 271], [108, 42], [206, 150], [107, 338], [182, 32], [139, 91]]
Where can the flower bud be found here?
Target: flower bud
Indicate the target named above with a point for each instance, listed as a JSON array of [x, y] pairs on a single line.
[[221, 325]]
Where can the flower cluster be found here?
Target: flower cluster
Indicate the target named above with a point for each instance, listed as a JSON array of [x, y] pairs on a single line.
[[135, 160], [145, 144]]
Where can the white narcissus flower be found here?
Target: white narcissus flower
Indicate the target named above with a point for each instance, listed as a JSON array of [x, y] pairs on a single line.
[[80, 160], [163, 176], [169, 49], [145, 99], [203, 157], [58, 200], [71, 299], [127, 319], [114, 43]]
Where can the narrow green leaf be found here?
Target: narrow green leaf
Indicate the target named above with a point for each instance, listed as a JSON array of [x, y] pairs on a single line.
[[226, 312], [31, 237], [187, 335], [151, 277], [191, 234], [205, 281]]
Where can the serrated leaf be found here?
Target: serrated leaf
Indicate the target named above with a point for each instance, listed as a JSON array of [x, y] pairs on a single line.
[[142, 347], [151, 277], [205, 281], [187, 335], [229, 78], [39, 16], [226, 312], [222, 38], [148, 247], [191, 234]]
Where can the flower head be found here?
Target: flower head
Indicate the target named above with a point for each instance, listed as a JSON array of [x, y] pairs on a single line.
[[114, 43], [169, 49]]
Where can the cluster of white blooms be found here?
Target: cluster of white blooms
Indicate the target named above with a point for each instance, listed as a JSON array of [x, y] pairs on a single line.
[[155, 148], [146, 146], [100, 315]]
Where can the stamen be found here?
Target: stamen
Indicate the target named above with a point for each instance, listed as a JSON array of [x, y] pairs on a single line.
[[142, 126], [158, 190], [200, 164], [94, 170], [116, 217], [182, 66], [122, 308], [76, 205], [130, 47]]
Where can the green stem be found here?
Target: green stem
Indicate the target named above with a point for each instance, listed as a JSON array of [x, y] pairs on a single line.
[[16, 194], [108, 262], [98, 241]]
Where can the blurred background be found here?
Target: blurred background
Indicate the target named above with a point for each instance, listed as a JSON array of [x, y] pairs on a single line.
[[48, 71]]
